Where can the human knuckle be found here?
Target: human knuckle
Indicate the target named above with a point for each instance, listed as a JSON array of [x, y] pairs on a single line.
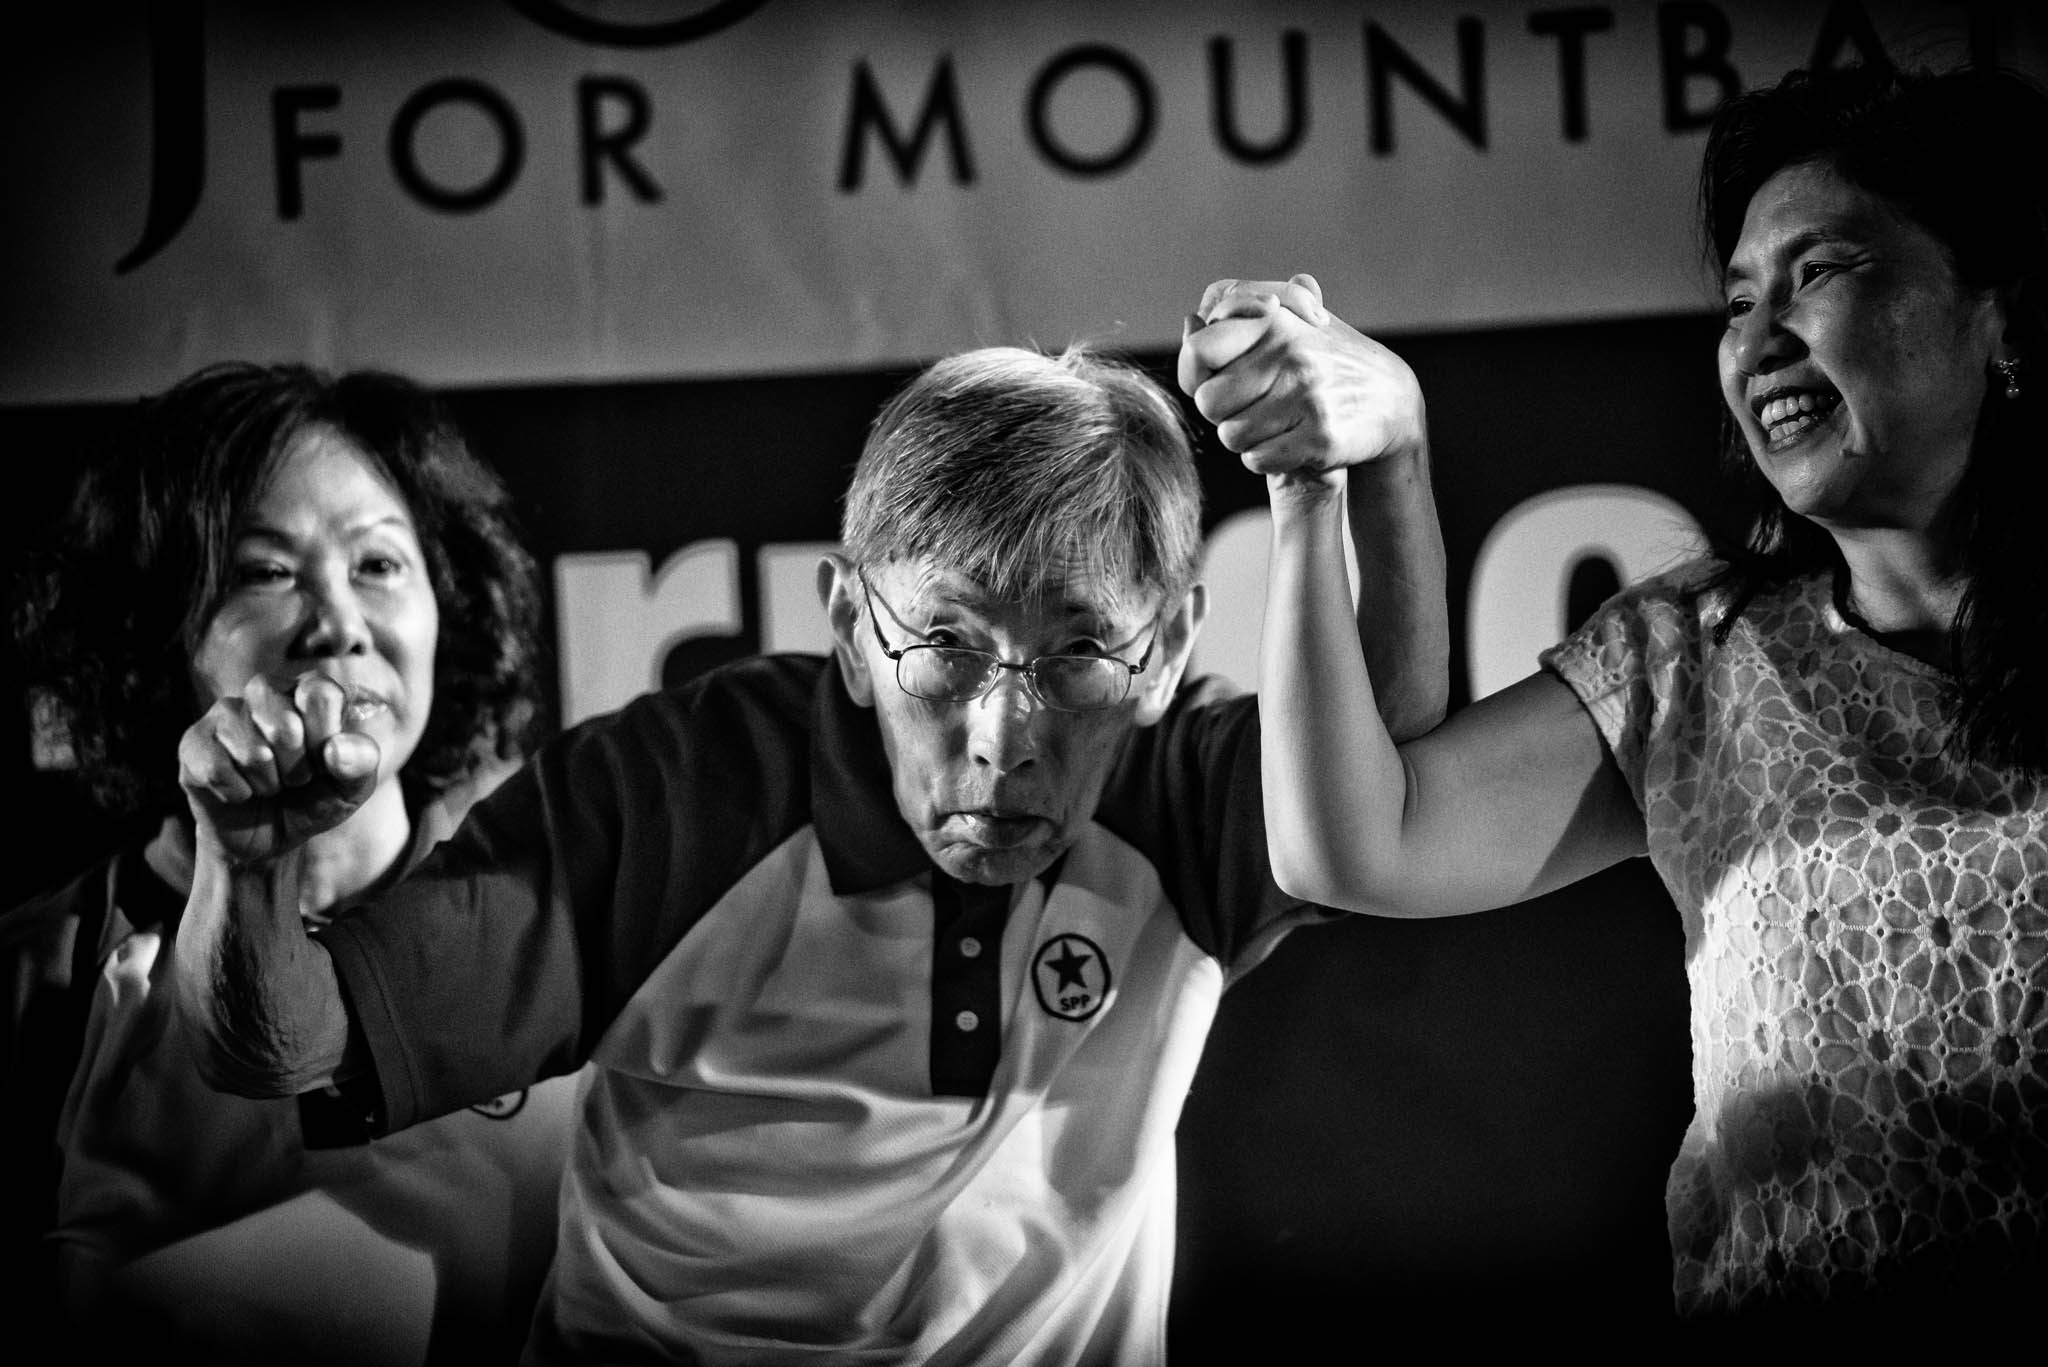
[[1321, 413], [1298, 366]]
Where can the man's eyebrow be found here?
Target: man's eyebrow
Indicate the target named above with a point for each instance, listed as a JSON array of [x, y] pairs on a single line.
[[1091, 618], [953, 590], [942, 595]]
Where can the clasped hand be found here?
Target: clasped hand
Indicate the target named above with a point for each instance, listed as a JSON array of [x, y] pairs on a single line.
[[1296, 392], [268, 770]]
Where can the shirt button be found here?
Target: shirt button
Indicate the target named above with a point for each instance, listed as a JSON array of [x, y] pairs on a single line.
[[970, 948], [967, 1020]]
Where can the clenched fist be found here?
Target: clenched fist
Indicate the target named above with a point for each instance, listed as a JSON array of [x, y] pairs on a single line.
[[1294, 390], [268, 770]]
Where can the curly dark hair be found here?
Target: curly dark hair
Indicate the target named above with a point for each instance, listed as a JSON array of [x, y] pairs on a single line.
[[1957, 153], [111, 612]]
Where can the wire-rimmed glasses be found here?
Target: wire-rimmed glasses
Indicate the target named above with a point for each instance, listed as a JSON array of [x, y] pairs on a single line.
[[1067, 683]]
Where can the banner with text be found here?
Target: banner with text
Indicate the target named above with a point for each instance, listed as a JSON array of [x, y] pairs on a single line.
[[490, 191]]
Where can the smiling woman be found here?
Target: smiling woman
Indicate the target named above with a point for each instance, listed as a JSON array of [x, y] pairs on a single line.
[[1829, 741], [1855, 361], [1883, 255], [279, 524]]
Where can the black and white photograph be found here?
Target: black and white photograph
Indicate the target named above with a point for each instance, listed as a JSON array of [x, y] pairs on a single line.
[[1065, 683]]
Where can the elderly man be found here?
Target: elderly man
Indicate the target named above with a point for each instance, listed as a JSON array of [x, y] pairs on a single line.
[[893, 966]]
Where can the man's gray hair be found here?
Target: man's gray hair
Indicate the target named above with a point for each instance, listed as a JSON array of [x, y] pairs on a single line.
[[1007, 466]]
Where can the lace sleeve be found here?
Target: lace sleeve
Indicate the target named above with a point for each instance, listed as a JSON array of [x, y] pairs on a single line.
[[1635, 664]]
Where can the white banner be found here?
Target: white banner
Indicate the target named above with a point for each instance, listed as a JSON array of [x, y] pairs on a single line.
[[543, 190]]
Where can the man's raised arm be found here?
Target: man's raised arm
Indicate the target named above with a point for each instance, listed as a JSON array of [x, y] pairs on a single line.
[[264, 773]]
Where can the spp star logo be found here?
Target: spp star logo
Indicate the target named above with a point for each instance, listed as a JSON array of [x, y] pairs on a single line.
[[1072, 977]]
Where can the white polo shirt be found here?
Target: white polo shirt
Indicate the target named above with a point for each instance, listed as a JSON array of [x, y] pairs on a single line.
[[842, 1108]]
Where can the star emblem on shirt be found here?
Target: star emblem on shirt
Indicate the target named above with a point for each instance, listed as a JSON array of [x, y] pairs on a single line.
[[1071, 974], [1069, 965]]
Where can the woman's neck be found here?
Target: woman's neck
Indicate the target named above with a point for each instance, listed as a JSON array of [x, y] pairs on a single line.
[[1904, 588]]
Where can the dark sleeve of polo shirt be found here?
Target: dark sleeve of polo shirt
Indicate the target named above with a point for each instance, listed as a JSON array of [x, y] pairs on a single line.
[[506, 954], [1186, 793]]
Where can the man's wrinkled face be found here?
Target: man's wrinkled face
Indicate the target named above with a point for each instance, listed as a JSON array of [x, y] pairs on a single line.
[[998, 787]]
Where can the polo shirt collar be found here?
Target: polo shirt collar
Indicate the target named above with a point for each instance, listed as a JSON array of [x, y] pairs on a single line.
[[863, 837]]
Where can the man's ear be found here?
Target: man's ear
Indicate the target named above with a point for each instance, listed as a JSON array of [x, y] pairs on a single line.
[[839, 591], [1170, 658]]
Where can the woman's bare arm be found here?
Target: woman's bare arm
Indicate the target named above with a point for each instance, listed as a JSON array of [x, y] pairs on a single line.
[[1510, 798]]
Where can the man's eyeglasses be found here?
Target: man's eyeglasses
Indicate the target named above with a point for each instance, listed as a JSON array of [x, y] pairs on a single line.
[[1069, 683]]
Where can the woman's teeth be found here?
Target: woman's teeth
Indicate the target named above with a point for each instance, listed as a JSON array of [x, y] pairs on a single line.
[[1789, 415]]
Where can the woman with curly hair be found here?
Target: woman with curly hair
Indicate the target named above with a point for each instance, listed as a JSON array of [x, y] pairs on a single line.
[[273, 522]]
